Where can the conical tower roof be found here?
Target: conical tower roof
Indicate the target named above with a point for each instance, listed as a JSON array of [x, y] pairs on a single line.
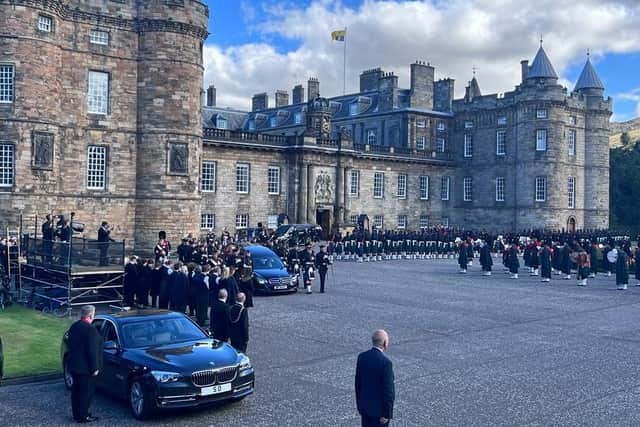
[[541, 66], [589, 78], [474, 88]]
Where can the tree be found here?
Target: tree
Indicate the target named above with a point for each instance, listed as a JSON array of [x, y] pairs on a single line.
[[625, 139]]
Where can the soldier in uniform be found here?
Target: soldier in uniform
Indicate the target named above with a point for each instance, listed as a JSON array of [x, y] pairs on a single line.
[[545, 262], [322, 263], [463, 256], [485, 259], [593, 259], [512, 260], [622, 270], [307, 261], [582, 263]]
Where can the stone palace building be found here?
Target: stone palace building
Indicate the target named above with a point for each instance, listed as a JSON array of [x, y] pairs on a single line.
[[102, 113]]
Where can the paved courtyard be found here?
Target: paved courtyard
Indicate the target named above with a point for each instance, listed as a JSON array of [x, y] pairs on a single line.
[[467, 350]]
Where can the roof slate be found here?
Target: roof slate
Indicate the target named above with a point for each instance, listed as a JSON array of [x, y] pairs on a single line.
[[541, 66], [589, 78]]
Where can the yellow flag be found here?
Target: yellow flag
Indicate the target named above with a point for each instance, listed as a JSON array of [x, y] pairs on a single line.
[[338, 35]]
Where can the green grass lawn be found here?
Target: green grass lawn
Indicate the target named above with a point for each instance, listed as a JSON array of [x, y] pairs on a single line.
[[31, 341]]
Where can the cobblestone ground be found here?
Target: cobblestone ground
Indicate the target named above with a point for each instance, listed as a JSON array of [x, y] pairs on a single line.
[[467, 350]]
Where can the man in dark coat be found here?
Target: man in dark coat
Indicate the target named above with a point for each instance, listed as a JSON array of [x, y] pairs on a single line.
[[165, 278], [463, 257], [512, 261], [104, 237], [219, 317], [48, 236], [636, 256], [485, 259], [565, 262], [154, 283], [84, 362], [239, 324], [622, 270], [375, 389], [593, 255], [545, 263], [322, 263], [130, 281], [246, 285], [178, 288], [200, 290]]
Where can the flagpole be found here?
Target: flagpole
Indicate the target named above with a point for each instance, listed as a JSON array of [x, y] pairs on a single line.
[[344, 64]]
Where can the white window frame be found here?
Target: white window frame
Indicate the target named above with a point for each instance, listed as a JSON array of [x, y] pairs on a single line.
[[242, 221], [354, 184], [96, 167], [98, 88], [501, 138], [372, 137], [468, 124], [273, 121], [222, 123], [421, 142], [441, 144], [242, 178], [571, 192], [402, 222], [445, 187], [378, 221], [541, 189], [541, 139], [208, 170], [424, 187], [273, 180], [572, 136], [7, 164], [500, 184], [402, 186], [502, 120], [421, 123], [424, 222], [272, 222], [354, 219], [354, 109], [99, 37], [378, 185], [45, 23], [467, 187], [297, 118], [7, 83], [468, 145], [441, 126], [541, 113], [207, 221]]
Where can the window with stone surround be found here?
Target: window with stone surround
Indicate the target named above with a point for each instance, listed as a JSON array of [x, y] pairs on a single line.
[[221, 123], [96, 167], [468, 124], [402, 222], [98, 92], [468, 189], [353, 109], [402, 186], [354, 219], [378, 221], [424, 221], [572, 142], [445, 182], [500, 189], [424, 187], [297, 118], [421, 142], [468, 145], [421, 123], [7, 164], [99, 37], [378, 185], [441, 127], [354, 185], [371, 137], [208, 176], [541, 113], [273, 121], [500, 143], [272, 222], [541, 140], [541, 189], [242, 178], [273, 180], [7, 83], [207, 221], [572, 120], [242, 221], [45, 23], [571, 192], [440, 145]]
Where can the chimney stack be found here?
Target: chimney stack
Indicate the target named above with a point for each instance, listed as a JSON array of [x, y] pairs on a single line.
[[524, 65], [211, 96], [282, 98], [298, 94], [260, 101], [313, 88]]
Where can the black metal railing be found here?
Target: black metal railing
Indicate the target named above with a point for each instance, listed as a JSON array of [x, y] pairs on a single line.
[[80, 252]]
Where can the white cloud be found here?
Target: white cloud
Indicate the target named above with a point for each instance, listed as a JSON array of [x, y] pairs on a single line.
[[454, 36]]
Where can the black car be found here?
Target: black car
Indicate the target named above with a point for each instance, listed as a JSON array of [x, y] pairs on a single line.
[[270, 274], [159, 359]]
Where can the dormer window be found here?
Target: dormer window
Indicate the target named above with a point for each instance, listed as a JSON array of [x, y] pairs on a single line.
[[297, 118], [354, 109], [468, 124], [252, 125], [441, 126], [541, 113], [273, 122], [221, 123]]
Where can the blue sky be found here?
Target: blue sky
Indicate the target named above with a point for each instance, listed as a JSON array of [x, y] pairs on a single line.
[[264, 45]]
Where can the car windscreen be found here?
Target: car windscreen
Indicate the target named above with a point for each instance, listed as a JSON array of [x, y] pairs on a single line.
[[160, 331], [266, 262], [281, 230]]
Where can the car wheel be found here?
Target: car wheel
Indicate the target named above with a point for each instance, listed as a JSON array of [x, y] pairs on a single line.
[[68, 379], [140, 401]]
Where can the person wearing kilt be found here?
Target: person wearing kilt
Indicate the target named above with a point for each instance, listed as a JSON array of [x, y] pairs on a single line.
[[583, 264]]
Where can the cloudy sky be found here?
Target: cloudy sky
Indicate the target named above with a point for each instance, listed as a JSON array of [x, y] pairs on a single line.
[[264, 45]]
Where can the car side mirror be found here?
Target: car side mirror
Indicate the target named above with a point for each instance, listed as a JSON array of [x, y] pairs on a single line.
[[111, 345]]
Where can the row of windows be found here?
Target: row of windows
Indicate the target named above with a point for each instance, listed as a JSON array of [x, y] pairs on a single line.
[[421, 143], [541, 113], [208, 221], [540, 190], [501, 142], [46, 24], [378, 185], [401, 221], [243, 177]]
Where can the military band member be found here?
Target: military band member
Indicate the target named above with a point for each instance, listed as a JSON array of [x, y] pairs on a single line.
[[485, 259], [545, 262], [582, 263], [307, 261], [622, 270], [322, 263]]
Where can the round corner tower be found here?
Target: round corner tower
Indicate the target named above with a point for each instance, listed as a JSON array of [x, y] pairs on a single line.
[[169, 138]]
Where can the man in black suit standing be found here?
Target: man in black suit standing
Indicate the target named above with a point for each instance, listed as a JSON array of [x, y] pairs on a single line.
[[375, 390], [48, 236], [219, 316], [239, 324], [84, 344], [104, 237]]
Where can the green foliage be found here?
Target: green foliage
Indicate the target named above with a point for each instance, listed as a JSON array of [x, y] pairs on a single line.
[[624, 187]]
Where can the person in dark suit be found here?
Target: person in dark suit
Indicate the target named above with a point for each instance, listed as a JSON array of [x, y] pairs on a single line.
[[104, 237], [130, 281], [239, 324], [322, 262], [48, 236], [200, 289], [375, 390], [219, 316], [178, 288], [84, 345]]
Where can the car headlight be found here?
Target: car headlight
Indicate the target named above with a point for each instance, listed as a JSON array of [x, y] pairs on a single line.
[[244, 367], [165, 377], [261, 280]]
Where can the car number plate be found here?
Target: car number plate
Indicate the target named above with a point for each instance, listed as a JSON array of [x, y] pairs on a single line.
[[215, 389], [280, 287]]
